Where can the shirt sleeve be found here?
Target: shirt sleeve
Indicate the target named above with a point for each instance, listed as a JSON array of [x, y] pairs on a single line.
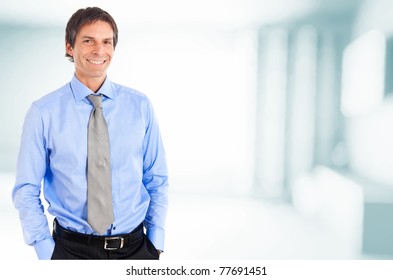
[[155, 179], [31, 168], [44, 248]]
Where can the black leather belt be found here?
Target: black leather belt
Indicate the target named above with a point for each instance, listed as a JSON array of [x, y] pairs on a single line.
[[114, 242]]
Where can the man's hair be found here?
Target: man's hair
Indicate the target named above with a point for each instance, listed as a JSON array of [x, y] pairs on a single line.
[[85, 16]]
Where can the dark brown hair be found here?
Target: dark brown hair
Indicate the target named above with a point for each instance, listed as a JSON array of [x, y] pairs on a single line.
[[85, 16]]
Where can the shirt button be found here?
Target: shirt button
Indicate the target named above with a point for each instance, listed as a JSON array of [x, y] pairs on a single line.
[[114, 228]]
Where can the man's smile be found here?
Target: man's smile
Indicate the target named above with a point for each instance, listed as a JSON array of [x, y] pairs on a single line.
[[96, 62]]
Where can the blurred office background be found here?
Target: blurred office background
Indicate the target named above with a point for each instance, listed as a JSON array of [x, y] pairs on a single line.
[[276, 117]]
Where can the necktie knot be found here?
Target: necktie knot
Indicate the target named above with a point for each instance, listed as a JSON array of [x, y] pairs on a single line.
[[96, 100]]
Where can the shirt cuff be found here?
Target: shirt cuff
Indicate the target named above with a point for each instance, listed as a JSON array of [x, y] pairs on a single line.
[[157, 237], [44, 249]]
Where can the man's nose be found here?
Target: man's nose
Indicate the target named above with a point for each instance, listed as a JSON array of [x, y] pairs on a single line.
[[99, 48]]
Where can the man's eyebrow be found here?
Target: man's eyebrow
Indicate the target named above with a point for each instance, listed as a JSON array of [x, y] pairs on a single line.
[[87, 37]]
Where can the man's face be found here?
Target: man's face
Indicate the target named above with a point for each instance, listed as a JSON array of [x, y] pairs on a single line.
[[93, 51]]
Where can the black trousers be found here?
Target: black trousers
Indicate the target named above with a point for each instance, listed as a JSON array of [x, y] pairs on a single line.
[[67, 247]]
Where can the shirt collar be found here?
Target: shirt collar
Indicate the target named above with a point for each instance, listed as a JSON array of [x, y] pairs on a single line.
[[80, 91]]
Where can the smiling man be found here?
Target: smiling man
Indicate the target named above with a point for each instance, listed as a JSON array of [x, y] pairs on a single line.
[[95, 149]]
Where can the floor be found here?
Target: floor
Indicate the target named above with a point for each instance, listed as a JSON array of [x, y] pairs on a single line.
[[244, 228]]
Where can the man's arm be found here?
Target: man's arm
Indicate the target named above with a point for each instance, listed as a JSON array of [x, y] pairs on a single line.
[[155, 179], [31, 168]]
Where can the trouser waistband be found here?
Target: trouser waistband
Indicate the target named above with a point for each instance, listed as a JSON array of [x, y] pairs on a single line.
[[111, 242]]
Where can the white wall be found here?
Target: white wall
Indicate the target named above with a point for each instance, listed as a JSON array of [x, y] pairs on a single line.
[[369, 134]]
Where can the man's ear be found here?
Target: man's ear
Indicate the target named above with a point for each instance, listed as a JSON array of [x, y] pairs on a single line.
[[69, 50]]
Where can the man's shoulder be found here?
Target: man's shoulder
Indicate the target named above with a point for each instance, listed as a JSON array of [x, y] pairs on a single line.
[[129, 92], [55, 95]]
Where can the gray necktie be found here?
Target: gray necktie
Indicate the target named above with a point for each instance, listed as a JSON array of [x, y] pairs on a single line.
[[99, 181]]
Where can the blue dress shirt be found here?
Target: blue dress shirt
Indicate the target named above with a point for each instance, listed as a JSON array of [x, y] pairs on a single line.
[[53, 154]]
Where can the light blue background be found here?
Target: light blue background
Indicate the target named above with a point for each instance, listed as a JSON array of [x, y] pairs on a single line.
[[266, 161]]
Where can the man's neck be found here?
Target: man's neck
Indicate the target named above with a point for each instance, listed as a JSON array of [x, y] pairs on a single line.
[[93, 84]]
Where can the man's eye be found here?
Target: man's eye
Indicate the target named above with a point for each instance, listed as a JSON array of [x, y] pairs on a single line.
[[88, 41]]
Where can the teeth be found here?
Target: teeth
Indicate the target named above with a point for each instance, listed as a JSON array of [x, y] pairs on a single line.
[[96, 61]]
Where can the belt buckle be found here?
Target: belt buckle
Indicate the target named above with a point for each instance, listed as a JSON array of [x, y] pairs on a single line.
[[121, 239]]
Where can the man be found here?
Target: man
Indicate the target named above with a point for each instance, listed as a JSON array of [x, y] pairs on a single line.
[[60, 149]]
